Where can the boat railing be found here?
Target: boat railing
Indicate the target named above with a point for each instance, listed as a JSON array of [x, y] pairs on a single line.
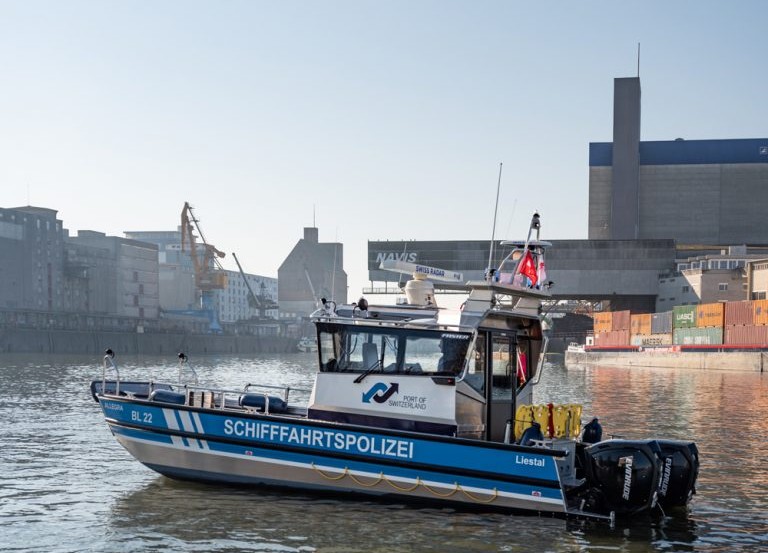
[[286, 389], [184, 362], [228, 398], [109, 362]]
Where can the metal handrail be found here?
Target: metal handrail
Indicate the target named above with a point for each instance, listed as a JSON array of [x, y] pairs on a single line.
[[286, 389], [109, 356], [183, 361]]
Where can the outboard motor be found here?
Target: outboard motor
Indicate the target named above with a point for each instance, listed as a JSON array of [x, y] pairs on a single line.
[[679, 470], [622, 476]]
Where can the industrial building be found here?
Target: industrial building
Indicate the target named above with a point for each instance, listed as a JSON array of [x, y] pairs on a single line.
[[32, 250], [45, 269], [312, 270], [692, 191], [120, 274]]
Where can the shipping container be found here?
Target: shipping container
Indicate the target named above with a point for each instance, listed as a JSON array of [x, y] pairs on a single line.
[[710, 315], [650, 340], [613, 338], [760, 309], [640, 324], [709, 336], [602, 322], [739, 313], [661, 323], [684, 316], [621, 321], [743, 335]]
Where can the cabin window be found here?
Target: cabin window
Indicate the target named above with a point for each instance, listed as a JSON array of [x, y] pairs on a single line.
[[346, 348], [504, 359], [475, 375]]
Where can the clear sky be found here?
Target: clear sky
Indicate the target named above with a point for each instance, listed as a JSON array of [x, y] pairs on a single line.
[[388, 118]]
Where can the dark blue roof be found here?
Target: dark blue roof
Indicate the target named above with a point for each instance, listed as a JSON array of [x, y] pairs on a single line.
[[687, 152]]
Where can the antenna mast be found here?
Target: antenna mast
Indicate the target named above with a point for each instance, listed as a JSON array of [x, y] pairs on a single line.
[[638, 60], [493, 232]]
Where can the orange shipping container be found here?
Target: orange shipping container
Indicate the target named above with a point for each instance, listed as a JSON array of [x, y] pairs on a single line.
[[760, 309], [710, 315], [640, 324], [621, 320], [602, 322]]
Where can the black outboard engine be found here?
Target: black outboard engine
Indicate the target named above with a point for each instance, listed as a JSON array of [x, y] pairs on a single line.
[[679, 470], [622, 476]]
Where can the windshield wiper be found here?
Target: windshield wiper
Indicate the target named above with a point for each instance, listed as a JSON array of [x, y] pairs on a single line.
[[360, 378]]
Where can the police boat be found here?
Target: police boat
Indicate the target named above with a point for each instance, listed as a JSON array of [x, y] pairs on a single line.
[[411, 402]]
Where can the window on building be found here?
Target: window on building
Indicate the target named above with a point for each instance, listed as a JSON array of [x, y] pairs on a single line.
[[686, 289], [758, 295], [723, 286], [135, 276]]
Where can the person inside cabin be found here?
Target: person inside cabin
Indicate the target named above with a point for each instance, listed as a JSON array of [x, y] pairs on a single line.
[[448, 359]]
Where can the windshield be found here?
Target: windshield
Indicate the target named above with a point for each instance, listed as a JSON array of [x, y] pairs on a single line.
[[346, 348]]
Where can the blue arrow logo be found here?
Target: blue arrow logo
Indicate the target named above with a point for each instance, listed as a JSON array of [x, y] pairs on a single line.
[[386, 392]]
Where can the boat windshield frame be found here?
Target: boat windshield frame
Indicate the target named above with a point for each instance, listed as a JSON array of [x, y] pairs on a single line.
[[392, 350]]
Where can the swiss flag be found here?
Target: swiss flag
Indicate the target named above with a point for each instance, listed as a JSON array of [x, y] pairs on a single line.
[[528, 268]]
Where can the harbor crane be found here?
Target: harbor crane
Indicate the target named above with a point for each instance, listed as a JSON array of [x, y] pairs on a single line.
[[209, 274], [261, 302]]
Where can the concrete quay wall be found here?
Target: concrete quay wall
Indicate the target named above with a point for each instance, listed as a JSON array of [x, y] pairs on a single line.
[[728, 361], [95, 342]]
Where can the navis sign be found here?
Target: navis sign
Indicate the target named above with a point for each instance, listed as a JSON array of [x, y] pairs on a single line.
[[392, 256]]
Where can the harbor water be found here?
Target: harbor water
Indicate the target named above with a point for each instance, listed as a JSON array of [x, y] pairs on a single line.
[[68, 486]]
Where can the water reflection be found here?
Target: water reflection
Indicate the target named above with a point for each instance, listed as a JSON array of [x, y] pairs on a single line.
[[66, 476]]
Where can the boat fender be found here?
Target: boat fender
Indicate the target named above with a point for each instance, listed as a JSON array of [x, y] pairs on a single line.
[[258, 401], [168, 396], [532, 433], [593, 432]]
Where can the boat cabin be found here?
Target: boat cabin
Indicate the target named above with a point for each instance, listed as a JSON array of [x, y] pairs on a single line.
[[425, 369]]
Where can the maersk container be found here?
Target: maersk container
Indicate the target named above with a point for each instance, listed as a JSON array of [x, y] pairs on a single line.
[[746, 335], [709, 314], [710, 336], [621, 320], [640, 324], [760, 309], [684, 316], [650, 340], [739, 313], [602, 322], [661, 323]]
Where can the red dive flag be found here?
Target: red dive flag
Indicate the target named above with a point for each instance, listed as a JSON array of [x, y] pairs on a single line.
[[528, 268]]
